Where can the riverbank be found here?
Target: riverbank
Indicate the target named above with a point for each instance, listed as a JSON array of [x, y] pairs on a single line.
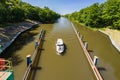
[[114, 36], [10, 33]]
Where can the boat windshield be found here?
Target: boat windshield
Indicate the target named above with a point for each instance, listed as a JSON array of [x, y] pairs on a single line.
[[60, 45]]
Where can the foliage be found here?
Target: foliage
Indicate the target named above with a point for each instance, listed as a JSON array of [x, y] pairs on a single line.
[[99, 15], [16, 10]]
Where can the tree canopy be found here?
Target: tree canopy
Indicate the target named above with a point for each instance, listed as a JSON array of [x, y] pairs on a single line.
[[99, 15], [16, 10]]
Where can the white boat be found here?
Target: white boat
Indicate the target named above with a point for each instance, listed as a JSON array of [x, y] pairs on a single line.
[[59, 46]]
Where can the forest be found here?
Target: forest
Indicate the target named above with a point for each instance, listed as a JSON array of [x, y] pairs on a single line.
[[99, 15], [17, 10]]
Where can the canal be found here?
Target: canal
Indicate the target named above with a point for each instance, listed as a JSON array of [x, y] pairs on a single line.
[[73, 65], [100, 45]]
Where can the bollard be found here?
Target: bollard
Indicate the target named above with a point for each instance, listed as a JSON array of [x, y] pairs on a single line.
[[36, 44], [86, 45], [28, 58], [81, 37], [41, 34], [95, 60], [79, 33]]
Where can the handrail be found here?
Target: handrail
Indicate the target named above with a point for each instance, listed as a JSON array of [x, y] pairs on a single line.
[[7, 64]]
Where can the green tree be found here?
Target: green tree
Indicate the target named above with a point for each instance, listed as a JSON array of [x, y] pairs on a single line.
[[99, 15], [16, 10]]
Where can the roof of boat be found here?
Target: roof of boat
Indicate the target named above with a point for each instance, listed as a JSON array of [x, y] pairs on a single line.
[[59, 41], [4, 75]]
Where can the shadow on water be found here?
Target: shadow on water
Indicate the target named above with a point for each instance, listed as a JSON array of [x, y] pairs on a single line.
[[16, 59], [101, 68], [22, 40], [65, 48], [90, 51], [36, 67]]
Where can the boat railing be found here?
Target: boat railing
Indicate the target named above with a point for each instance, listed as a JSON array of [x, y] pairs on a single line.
[[5, 64]]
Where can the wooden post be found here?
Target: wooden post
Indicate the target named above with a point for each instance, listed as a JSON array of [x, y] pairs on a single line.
[[86, 45], [28, 58], [95, 60], [36, 44], [79, 33], [81, 37]]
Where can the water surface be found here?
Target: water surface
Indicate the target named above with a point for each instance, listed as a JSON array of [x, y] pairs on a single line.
[[73, 65], [101, 46]]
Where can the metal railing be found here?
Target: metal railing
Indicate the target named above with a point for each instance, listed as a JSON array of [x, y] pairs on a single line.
[[5, 64]]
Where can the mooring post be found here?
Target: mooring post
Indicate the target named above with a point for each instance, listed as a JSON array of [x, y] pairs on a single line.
[[42, 34], [86, 45], [36, 44], [28, 58], [95, 60], [81, 37], [79, 33]]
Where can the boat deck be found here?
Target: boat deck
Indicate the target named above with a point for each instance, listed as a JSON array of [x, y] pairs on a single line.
[[4, 75]]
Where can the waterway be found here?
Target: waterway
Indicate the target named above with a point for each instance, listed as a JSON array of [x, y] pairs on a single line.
[[73, 65], [100, 45]]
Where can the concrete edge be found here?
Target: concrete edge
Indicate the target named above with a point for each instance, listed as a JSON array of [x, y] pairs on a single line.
[[14, 38], [111, 39]]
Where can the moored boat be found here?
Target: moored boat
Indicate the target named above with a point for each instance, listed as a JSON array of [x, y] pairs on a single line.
[[6, 72]]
